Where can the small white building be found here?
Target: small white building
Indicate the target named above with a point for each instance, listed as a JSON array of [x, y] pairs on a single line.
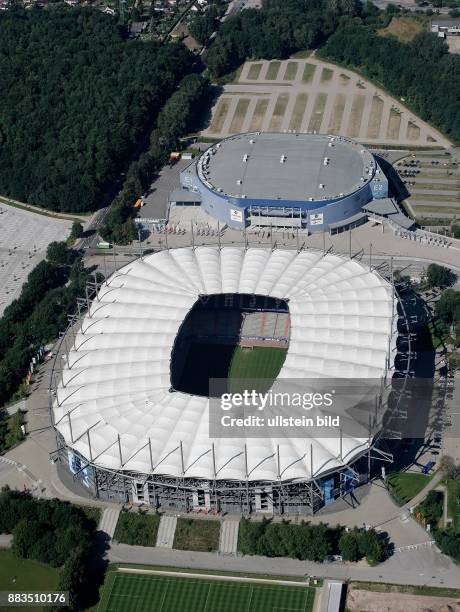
[[447, 27]]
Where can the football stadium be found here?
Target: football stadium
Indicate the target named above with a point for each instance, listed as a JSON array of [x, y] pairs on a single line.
[[131, 408], [315, 182]]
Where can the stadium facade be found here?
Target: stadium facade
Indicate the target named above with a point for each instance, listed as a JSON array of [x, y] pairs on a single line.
[[127, 434], [316, 182]]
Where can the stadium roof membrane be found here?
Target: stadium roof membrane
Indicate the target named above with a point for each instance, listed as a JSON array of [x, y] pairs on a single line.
[[251, 165], [117, 378]]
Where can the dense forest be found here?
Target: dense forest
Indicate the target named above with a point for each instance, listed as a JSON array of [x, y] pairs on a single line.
[[37, 316], [78, 98], [179, 116], [56, 533], [280, 28]]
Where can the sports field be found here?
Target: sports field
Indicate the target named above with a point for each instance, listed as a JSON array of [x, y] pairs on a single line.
[[145, 593], [244, 367], [255, 364]]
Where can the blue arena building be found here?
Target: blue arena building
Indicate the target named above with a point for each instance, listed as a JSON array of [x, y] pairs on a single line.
[[316, 182]]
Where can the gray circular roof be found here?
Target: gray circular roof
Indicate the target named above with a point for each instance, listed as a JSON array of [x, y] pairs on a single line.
[[286, 166]]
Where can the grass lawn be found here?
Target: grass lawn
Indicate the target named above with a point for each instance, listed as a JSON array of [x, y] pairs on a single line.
[[239, 115], [437, 186], [273, 69], [145, 593], [220, 114], [254, 71], [92, 513], [308, 72], [291, 71], [254, 364], [326, 75], [455, 210], [302, 54], [137, 529], [196, 534], [259, 114], [316, 117], [298, 111], [404, 28], [404, 486], [29, 575], [278, 112]]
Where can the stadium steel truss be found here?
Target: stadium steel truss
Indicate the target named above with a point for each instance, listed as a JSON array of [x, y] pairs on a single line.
[[126, 435]]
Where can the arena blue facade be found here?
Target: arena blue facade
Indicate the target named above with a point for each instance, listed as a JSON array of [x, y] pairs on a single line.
[[333, 212]]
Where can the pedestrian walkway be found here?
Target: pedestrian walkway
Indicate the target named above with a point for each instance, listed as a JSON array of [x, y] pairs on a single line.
[[166, 531], [228, 541], [108, 521]]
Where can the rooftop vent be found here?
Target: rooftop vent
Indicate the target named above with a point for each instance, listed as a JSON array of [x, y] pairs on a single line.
[[321, 185], [282, 159], [239, 181], [245, 157]]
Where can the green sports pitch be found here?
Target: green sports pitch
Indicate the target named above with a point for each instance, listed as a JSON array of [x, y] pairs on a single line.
[[124, 592], [255, 367]]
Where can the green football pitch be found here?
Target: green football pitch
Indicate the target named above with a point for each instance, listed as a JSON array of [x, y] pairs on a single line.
[[258, 366], [153, 593]]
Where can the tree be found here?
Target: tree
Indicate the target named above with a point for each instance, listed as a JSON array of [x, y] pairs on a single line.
[[448, 541], [372, 546], [69, 152], [448, 306], [455, 230], [438, 276], [431, 507], [77, 230], [26, 534], [57, 253], [447, 465], [349, 546]]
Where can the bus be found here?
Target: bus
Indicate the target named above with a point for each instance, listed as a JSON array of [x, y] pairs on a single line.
[[103, 245]]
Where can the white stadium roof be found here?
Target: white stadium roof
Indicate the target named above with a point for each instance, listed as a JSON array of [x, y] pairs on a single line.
[[116, 382]]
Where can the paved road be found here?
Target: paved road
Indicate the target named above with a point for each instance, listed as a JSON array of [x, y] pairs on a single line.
[[409, 5], [425, 566], [91, 229]]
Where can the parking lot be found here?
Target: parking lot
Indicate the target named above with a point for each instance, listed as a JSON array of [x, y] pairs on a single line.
[[24, 238], [310, 95], [156, 198], [433, 181]]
